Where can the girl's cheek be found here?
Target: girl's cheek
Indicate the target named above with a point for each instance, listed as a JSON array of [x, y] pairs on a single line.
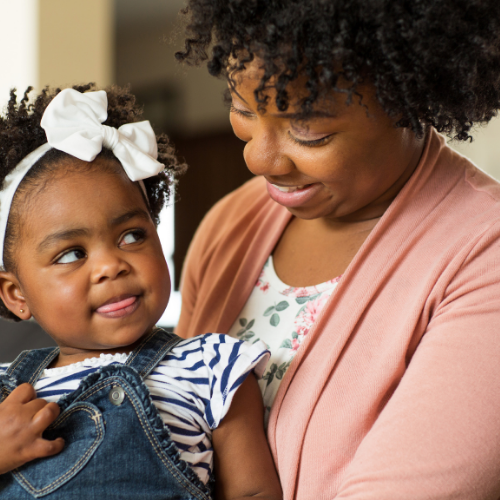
[[241, 127]]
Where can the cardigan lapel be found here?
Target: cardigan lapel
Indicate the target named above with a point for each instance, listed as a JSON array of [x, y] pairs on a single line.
[[252, 255], [316, 359]]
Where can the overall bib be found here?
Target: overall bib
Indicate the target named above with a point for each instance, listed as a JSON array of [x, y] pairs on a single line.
[[116, 444]]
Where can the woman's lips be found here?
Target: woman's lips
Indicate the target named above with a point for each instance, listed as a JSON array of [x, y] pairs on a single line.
[[119, 308], [292, 196]]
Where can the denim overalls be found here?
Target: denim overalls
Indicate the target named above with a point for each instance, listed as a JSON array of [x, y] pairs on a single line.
[[116, 445]]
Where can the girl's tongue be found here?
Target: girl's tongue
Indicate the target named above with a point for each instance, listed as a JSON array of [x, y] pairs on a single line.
[[115, 306]]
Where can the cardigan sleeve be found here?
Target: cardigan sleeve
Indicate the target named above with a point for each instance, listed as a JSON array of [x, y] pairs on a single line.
[[223, 248], [200, 268], [438, 437]]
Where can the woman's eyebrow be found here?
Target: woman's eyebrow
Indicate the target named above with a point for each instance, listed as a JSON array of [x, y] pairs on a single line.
[[232, 90]]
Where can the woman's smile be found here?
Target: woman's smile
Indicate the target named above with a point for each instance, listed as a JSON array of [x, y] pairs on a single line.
[[293, 196]]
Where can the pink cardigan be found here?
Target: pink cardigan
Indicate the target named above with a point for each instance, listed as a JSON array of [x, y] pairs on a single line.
[[395, 394]]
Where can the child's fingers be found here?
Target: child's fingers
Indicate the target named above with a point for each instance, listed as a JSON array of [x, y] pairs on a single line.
[[45, 416], [45, 448], [22, 394], [41, 448], [34, 406]]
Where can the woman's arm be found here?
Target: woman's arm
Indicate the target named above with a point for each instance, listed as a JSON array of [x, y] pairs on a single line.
[[438, 437], [244, 467]]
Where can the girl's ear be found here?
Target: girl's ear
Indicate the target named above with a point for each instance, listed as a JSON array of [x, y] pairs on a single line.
[[12, 296]]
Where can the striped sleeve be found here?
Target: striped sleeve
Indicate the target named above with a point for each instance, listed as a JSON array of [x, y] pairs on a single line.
[[229, 362]]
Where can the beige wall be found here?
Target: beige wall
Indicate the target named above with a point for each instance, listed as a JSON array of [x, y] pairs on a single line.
[[55, 42], [145, 57], [148, 35], [76, 42]]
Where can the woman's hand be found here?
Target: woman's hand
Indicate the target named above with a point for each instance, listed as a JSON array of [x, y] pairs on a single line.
[[23, 418], [244, 468]]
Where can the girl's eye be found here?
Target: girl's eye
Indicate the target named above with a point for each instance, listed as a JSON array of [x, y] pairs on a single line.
[[71, 256], [310, 143], [132, 237]]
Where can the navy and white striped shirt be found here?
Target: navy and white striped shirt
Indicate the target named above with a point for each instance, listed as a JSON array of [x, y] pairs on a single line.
[[192, 387]]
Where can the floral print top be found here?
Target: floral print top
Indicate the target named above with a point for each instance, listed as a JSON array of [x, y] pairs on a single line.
[[281, 316]]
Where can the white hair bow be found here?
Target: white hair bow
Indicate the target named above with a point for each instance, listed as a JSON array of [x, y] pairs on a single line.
[[73, 123]]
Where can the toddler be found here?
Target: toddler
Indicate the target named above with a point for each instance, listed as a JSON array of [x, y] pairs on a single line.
[[128, 411]]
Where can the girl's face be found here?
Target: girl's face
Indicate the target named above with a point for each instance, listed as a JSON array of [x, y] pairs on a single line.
[[90, 267], [345, 163]]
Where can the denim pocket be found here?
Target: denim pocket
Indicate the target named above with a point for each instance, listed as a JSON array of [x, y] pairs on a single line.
[[81, 426]]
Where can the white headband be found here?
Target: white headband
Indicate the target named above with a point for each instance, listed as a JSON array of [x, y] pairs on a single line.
[[73, 124]]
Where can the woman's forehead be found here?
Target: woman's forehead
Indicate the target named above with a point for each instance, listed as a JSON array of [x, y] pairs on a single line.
[[327, 101], [330, 104]]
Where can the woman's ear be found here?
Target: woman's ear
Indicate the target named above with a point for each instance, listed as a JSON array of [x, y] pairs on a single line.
[[12, 296]]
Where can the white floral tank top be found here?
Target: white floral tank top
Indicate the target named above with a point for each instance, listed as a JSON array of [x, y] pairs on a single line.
[[281, 316]]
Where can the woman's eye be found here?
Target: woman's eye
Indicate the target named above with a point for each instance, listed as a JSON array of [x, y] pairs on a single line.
[[132, 237], [71, 256], [238, 111], [312, 142]]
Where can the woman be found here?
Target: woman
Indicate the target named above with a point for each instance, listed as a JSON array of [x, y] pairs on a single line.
[[366, 253]]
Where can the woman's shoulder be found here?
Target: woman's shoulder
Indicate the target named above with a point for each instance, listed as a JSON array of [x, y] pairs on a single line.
[[469, 203], [447, 193], [463, 183], [232, 223]]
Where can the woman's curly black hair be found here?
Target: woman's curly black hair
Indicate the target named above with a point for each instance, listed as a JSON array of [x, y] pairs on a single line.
[[21, 133], [432, 62]]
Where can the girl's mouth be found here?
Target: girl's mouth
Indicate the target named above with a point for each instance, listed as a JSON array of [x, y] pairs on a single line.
[[292, 196], [119, 307]]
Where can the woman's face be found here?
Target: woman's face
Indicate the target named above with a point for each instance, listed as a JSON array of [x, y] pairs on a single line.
[[346, 162]]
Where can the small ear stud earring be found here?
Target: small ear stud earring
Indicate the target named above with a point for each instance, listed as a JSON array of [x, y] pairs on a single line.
[[21, 310]]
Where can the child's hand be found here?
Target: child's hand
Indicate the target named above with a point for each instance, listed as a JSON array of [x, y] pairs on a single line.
[[23, 418]]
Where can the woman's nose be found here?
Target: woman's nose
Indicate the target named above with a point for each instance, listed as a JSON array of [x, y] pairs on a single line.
[[265, 154], [108, 265]]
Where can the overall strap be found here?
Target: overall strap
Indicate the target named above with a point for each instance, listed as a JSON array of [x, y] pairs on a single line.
[[29, 365], [151, 351]]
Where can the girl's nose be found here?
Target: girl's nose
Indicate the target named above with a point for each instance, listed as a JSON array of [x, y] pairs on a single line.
[[265, 154], [107, 265]]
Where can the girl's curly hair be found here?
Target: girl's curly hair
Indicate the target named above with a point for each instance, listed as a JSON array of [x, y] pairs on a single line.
[[432, 62], [21, 133]]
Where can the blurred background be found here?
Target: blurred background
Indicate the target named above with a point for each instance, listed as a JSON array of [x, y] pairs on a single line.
[[132, 42]]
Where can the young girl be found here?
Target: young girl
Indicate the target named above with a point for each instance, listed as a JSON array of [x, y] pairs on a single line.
[[141, 413]]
